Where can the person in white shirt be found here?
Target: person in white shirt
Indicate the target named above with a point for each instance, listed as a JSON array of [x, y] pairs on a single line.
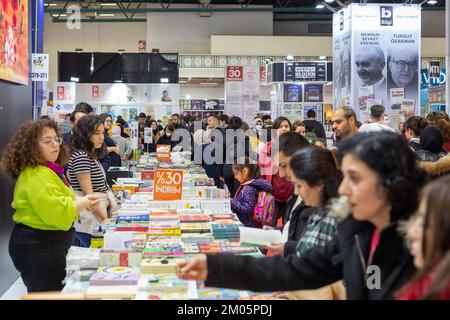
[[376, 123]]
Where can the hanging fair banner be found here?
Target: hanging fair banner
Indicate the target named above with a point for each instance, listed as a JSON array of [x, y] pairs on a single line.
[[376, 52], [242, 91]]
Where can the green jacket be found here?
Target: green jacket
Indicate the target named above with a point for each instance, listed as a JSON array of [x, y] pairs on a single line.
[[42, 200]]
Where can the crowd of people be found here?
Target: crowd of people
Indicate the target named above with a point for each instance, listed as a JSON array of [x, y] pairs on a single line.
[[347, 211]]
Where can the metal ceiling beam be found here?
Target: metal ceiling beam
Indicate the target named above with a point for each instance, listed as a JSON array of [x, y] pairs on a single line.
[[186, 10], [100, 20]]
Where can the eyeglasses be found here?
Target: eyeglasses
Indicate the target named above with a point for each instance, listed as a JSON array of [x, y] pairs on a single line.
[[57, 140], [402, 65]]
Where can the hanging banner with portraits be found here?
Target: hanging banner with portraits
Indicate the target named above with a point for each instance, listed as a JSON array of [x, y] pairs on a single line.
[[385, 60]]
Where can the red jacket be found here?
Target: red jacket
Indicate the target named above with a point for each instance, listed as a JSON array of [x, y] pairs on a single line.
[[282, 189], [417, 290]]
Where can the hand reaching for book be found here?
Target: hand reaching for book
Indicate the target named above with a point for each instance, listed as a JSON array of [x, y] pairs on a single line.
[[194, 269], [277, 249]]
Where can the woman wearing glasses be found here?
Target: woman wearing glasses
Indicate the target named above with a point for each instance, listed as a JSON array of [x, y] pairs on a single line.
[[44, 203]]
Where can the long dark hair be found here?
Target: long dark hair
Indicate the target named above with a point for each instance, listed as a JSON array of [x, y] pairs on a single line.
[[279, 120], [416, 124], [317, 166], [395, 164], [85, 128], [246, 163], [436, 236]]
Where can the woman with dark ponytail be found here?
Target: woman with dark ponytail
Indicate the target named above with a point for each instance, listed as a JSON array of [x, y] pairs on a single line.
[[413, 129]]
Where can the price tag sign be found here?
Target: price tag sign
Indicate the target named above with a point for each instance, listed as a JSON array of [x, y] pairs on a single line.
[[235, 73], [168, 185], [163, 152]]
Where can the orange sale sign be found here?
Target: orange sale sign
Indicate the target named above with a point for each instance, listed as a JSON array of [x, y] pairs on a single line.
[[168, 185], [163, 152]]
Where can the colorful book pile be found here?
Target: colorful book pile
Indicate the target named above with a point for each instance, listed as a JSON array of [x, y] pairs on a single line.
[[196, 227], [163, 215], [225, 231], [222, 247], [132, 226], [115, 276], [164, 228], [197, 237], [132, 217], [193, 217]]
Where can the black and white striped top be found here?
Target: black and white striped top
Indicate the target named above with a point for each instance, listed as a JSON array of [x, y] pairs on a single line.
[[80, 162]]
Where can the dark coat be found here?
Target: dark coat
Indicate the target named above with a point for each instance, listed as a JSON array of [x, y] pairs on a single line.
[[245, 200], [298, 222], [345, 257], [316, 127]]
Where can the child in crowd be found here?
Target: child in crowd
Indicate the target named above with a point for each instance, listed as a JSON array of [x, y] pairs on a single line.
[[243, 204], [430, 245], [44, 203]]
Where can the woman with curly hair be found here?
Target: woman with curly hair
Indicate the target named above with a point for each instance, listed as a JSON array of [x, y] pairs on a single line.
[[381, 182], [87, 175], [44, 203]]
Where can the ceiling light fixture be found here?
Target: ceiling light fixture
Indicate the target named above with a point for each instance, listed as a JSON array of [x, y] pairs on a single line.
[[432, 2], [320, 6]]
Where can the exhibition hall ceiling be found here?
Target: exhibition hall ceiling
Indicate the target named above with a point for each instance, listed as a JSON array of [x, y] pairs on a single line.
[[136, 10]]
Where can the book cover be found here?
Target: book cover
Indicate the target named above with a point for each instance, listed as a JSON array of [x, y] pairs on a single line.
[[132, 218], [132, 226], [115, 258], [111, 292], [163, 283], [201, 227], [193, 218], [166, 265], [163, 248], [114, 276], [217, 294]]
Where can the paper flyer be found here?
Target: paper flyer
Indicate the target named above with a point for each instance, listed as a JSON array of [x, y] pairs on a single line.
[[397, 95], [364, 93]]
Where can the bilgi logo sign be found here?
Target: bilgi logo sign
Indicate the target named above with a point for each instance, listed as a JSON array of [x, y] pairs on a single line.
[[386, 16], [341, 20]]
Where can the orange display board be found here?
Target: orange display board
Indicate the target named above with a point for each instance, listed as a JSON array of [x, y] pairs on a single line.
[[168, 185], [14, 41]]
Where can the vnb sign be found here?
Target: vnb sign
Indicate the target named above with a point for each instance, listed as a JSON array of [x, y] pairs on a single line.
[[386, 16]]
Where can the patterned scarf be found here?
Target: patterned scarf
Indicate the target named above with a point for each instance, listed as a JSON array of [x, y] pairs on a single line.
[[59, 171]]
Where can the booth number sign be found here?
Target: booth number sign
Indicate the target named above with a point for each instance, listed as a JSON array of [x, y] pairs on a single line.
[[39, 67]]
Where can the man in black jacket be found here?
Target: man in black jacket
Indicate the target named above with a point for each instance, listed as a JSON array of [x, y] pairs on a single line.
[[312, 125]]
